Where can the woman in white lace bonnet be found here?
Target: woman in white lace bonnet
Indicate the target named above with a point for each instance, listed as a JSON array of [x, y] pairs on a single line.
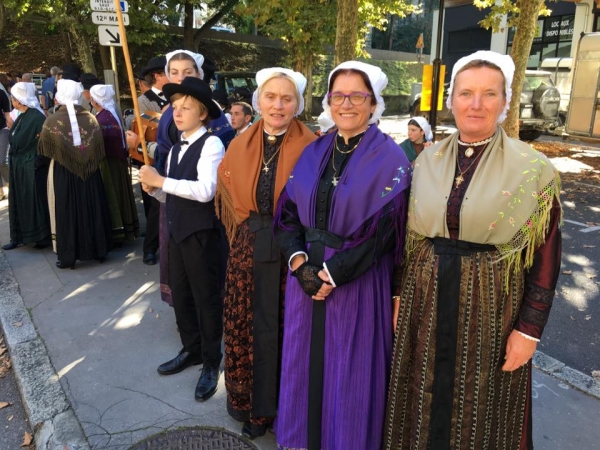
[[483, 246]]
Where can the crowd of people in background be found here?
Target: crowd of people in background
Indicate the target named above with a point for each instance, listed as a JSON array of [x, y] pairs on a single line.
[[370, 295]]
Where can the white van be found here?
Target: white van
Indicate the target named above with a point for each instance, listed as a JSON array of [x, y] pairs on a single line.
[[584, 109]]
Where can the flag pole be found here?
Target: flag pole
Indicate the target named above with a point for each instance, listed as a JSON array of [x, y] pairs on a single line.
[[136, 107]]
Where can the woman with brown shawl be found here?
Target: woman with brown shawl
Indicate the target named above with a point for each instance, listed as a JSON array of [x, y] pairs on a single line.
[[250, 178], [483, 257], [79, 216]]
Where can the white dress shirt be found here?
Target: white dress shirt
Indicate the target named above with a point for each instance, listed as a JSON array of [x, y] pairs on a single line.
[[203, 189]]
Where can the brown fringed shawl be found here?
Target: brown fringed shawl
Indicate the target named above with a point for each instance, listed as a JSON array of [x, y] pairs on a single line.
[[239, 171], [56, 142]]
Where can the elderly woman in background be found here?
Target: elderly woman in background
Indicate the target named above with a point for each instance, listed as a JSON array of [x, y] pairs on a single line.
[[419, 137], [339, 224], [102, 99], [27, 202], [250, 179], [79, 214], [483, 246]]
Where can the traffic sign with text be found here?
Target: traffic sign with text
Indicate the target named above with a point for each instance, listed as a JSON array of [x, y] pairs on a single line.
[[108, 18], [108, 5], [109, 35]]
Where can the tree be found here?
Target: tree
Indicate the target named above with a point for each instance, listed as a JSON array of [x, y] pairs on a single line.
[[523, 15], [353, 19], [304, 25]]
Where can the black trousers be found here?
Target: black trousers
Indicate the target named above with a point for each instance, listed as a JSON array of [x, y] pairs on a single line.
[[152, 212], [194, 280]]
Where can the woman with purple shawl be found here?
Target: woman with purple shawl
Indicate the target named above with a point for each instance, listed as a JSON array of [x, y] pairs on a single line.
[[117, 174], [340, 224]]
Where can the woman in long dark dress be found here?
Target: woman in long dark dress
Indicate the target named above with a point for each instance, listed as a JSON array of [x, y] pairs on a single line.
[[79, 214], [483, 257], [102, 99], [340, 225], [250, 178], [27, 203]]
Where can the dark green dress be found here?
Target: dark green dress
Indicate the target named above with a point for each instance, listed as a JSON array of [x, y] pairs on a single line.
[[27, 201]]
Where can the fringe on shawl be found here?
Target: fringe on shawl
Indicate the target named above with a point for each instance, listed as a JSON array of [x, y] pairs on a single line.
[[225, 210], [55, 150], [520, 250]]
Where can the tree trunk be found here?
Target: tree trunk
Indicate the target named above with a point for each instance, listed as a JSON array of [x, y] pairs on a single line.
[[2, 19], [68, 52], [346, 33], [84, 48], [526, 27], [105, 56], [304, 65], [188, 27]]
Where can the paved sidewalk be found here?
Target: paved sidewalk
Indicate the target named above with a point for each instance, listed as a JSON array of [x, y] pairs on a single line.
[[85, 345]]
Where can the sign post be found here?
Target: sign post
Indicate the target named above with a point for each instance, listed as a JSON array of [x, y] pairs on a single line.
[[136, 108]]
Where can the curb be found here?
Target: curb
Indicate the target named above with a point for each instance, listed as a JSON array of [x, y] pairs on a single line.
[[572, 377], [50, 414]]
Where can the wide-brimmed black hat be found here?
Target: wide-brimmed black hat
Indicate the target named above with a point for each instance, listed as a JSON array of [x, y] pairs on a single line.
[[88, 80], [156, 64], [70, 72], [196, 88]]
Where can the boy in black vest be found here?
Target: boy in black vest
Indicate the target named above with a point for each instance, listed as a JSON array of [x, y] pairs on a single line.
[[194, 241]]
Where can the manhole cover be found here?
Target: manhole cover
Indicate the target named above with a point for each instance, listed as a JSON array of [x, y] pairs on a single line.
[[198, 438]]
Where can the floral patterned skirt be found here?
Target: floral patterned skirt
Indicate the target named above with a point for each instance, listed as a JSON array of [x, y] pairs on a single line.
[[238, 332]]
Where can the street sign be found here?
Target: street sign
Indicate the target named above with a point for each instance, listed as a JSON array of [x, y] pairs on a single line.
[[108, 18], [109, 35], [108, 5]]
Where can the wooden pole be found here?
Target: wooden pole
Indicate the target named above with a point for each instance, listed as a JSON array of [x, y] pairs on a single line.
[[136, 108]]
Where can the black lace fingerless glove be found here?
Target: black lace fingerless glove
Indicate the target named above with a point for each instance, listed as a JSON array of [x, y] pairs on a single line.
[[307, 275]]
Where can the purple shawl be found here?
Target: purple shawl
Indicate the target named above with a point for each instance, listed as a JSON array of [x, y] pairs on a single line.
[[112, 134], [377, 174]]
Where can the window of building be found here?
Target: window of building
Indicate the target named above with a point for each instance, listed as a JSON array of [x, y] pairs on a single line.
[[553, 38], [468, 41]]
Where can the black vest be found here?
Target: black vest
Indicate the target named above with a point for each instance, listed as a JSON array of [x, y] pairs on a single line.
[[185, 217], [153, 97]]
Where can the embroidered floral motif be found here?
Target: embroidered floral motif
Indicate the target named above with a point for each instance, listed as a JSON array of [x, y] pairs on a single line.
[[403, 172]]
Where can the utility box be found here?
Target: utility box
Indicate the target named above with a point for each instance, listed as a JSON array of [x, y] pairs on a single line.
[[584, 110]]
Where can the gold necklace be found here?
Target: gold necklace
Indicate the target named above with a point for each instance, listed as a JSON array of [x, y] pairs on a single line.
[[265, 169], [345, 152], [459, 179]]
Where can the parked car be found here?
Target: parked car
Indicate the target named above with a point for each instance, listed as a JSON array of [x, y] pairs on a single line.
[[539, 109], [238, 86]]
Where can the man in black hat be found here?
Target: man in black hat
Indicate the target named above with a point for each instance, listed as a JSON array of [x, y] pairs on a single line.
[[87, 81], [154, 74], [152, 100], [188, 191]]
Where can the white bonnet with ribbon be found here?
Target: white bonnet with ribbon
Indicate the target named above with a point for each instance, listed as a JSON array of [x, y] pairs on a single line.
[[264, 75], [197, 57], [325, 122], [377, 78], [504, 63], [26, 94], [68, 93]]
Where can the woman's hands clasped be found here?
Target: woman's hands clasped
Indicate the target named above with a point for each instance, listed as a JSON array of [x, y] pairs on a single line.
[[313, 280]]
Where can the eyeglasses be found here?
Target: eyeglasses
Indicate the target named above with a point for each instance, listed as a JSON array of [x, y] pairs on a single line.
[[356, 98]]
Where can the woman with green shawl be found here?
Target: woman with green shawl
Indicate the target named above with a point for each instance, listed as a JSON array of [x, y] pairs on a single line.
[[419, 138], [482, 260], [27, 204]]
